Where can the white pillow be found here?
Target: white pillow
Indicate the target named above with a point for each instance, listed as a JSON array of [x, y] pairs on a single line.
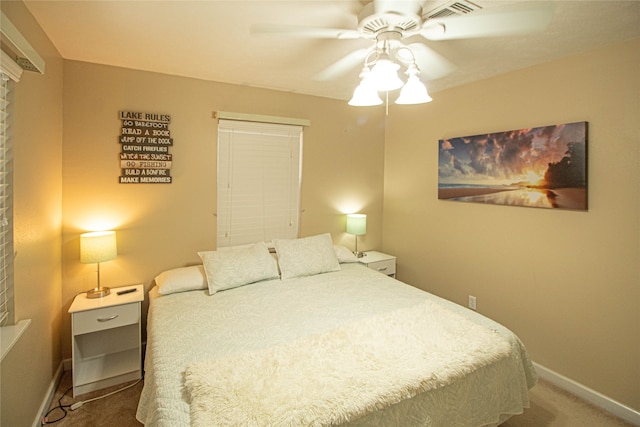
[[240, 266], [344, 254], [181, 279], [306, 256]]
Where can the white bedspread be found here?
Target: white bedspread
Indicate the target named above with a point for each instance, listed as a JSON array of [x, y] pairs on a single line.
[[189, 329]]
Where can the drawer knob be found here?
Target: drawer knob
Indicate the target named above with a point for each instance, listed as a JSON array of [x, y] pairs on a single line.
[[382, 269], [106, 319]]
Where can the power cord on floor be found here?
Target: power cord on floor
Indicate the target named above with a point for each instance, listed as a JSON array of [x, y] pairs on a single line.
[[63, 408], [74, 406]]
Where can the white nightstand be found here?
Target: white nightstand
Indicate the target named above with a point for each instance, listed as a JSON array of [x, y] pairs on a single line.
[[380, 262], [106, 339]]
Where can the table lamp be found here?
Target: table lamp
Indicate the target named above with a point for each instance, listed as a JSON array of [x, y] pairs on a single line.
[[97, 247], [357, 225]]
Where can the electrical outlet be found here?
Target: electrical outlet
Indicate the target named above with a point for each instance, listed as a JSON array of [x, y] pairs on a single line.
[[472, 302]]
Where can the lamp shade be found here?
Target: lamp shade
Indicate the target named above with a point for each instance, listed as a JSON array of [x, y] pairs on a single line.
[[98, 246], [365, 94], [385, 75], [357, 224], [413, 92]]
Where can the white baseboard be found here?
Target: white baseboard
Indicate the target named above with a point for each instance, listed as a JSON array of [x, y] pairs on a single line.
[[598, 399], [67, 363], [51, 391]]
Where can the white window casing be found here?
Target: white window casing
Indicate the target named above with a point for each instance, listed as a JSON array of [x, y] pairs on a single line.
[[6, 201], [259, 174], [19, 56]]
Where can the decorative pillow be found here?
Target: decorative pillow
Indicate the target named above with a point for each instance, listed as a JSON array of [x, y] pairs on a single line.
[[240, 266], [344, 254], [181, 279], [306, 256]]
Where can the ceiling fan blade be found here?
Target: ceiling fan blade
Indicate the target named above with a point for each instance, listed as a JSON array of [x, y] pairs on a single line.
[[432, 65], [519, 18], [343, 65], [304, 31]]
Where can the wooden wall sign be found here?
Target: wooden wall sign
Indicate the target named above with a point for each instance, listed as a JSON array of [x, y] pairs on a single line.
[[145, 142]]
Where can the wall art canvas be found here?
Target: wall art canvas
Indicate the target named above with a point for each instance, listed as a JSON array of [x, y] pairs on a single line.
[[543, 167]]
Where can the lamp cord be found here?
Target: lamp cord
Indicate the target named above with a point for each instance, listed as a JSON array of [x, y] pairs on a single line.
[[77, 405]]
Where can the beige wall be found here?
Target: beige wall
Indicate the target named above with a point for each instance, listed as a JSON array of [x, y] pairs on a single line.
[[567, 282], [162, 226], [29, 367]]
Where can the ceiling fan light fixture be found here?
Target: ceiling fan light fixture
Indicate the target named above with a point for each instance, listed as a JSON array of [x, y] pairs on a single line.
[[413, 92], [366, 94], [384, 75]]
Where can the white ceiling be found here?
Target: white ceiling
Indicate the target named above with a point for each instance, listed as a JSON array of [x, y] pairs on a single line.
[[211, 40]]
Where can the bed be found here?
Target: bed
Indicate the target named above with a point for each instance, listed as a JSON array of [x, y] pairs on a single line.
[[320, 340]]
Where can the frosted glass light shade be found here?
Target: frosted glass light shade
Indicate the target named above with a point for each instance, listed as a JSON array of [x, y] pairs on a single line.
[[385, 75], [413, 92], [357, 224], [99, 246], [365, 95]]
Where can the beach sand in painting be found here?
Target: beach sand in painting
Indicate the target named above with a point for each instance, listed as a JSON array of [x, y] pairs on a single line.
[[562, 198], [570, 198], [454, 193]]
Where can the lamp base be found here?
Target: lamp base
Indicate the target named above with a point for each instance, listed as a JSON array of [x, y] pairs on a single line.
[[358, 254], [98, 292]]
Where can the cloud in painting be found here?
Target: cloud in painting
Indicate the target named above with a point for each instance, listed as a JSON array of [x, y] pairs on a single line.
[[506, 157]]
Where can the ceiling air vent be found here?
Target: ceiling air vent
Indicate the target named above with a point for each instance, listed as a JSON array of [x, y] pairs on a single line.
[[452, 8]]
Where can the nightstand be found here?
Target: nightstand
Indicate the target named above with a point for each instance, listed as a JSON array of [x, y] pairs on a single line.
[[380, 262], [106, 339]]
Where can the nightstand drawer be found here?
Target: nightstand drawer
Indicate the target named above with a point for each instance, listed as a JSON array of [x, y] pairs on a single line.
[[387, 267], [105, 318]]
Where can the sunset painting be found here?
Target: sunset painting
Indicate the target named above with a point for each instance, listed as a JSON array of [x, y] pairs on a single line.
[[544, 167]]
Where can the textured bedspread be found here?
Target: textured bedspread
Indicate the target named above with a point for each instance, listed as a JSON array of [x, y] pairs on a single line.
[[192, 331]]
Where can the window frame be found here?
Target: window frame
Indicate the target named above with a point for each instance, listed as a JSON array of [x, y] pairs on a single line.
[[276, 173], [8, 76]]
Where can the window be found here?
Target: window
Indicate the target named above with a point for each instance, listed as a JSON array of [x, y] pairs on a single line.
[[10, 73], [6, 200], [259, 171]]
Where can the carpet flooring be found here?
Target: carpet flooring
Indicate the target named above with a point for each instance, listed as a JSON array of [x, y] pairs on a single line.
[[550, 407]]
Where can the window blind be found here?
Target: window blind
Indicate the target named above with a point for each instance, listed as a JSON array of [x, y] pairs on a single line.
[[259, 172], [6, 202]]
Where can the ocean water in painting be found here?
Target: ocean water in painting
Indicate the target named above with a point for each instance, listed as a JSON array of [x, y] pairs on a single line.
[[520, 197]]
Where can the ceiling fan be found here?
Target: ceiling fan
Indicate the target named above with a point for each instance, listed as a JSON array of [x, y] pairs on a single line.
[[390, 23]]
